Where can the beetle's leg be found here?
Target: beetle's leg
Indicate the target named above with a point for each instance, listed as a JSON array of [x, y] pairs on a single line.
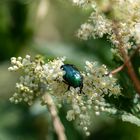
[[81, 87], [68, 88], [65, 82]]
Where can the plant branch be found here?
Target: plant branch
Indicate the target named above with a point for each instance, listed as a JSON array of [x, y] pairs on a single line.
[[123, 66], [58, 126], [117, 70], [127, 61], [130, 69]]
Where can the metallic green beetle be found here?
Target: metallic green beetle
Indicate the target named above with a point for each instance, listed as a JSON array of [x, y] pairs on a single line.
[[72, 76]]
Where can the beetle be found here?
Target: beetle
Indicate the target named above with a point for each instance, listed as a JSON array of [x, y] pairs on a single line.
[[72, 76]]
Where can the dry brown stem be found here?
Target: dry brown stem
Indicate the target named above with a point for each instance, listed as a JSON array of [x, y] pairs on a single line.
[[58, 126], [127, 61], [123, 66]]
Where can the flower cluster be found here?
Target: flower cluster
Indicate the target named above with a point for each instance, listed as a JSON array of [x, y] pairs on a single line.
[[108, 14], [35, 78], [97, 26], [84, 3], [39, 78], [30, 82], [100, 80]]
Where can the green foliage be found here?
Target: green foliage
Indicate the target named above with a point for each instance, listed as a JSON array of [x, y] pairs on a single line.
[[54, 36], [14, 32]]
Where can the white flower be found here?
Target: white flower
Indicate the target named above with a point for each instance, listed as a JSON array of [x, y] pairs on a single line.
[[79, 2], [70, 115], [85, 31], [40, 77], [137, 30]]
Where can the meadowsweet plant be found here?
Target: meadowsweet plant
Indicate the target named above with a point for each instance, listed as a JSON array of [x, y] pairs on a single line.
[[40, 78], [119, 21]]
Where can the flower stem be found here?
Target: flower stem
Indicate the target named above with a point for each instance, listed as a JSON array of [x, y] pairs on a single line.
[[130, 69], [58, 126], [113, 72], [127, 61], [123, 66]]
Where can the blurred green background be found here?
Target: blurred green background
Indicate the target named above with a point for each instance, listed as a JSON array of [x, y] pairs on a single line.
[[48, 27]]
